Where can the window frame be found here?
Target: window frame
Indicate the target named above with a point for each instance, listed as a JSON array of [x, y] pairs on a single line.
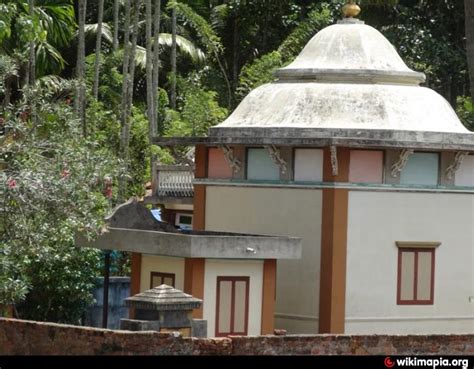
[[162, 276], [232, 279], [178, 217], [416, 251]]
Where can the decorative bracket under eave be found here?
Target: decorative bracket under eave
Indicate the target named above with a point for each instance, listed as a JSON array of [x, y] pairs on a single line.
[[398, 166], [454, 167], [277, 159], [334, 166], [234, 163]]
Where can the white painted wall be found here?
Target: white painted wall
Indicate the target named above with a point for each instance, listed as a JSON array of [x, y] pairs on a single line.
[[465, 174], [162, 264], [278, 211], [309, 165], [236, 268], [376, 221]]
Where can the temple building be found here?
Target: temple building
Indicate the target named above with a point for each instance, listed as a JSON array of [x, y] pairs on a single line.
[[373, 172]]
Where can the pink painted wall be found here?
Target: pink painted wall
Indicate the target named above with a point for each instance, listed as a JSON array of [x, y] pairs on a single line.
[[217, 166], [366, 166]]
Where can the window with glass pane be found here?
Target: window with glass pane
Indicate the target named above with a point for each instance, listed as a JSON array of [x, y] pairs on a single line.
[[415, 276], [422, 168], [260, 165], [157, 279]]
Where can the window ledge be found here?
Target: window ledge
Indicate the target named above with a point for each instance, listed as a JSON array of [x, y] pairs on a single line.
[[417, 244]]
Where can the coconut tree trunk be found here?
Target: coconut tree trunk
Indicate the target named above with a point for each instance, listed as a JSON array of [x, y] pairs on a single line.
[[98, 46], [32, 57], [173, 59], [469, 14], [156, 64], [149, 71], [115, 42], [125, 64], [124, 119], [80, 102], [126, 126], [8, 92], [136, 16]]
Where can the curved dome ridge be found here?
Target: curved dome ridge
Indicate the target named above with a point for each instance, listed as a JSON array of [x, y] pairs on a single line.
[[354, 50]]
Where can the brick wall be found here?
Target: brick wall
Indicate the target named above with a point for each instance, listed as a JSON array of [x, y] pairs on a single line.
[[20, 337]]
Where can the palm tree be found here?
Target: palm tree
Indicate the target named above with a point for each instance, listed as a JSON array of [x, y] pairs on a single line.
[[53, 20], [207, 36], [469, 15]]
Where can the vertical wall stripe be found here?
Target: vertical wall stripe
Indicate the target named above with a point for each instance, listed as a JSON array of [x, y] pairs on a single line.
[[136, 271], [332, 299], [200, 161], [268, 296], [200, 190], [199, 207], [194, 268], [194, 281]]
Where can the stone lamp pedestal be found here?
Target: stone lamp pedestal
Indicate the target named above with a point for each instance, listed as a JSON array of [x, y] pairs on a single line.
[[165, 309]]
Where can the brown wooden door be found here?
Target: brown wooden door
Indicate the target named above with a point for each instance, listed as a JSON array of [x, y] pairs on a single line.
[[232, 306]]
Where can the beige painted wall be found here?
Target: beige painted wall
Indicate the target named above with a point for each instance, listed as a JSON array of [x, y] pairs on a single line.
[[278, 211], [161, 264], [376, 221], [227, 268]]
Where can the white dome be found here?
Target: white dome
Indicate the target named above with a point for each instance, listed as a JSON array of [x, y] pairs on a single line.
[[349, 106], [348, 76], [350, 46]]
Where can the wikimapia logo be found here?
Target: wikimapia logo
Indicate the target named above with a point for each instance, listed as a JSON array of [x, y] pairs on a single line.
[[428, 362]]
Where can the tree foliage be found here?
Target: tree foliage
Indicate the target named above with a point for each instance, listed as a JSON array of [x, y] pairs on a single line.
[[52, 185]]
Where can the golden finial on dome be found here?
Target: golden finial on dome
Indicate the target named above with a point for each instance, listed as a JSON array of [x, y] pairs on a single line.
[[351, 9]]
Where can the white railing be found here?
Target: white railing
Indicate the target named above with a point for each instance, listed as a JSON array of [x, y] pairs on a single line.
[[175, 181]]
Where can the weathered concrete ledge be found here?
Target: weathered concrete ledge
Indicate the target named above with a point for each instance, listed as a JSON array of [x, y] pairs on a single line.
[[20, 337], [221, 246], [282, 136]]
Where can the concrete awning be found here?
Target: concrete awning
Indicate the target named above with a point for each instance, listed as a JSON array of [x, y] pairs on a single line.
[[132, 228], [207, 245]]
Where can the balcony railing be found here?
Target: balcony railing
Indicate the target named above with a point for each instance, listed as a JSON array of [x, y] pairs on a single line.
[[174, 181]]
